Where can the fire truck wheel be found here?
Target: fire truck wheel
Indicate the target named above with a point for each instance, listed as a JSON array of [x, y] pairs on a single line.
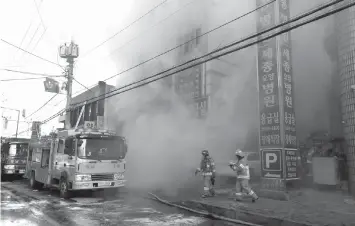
[[63, 188]]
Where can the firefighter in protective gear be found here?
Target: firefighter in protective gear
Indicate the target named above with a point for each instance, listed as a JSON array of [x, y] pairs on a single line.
[[243, 176], [208, 171]]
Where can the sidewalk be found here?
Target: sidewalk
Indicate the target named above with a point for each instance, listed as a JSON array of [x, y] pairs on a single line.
[[310, 207]]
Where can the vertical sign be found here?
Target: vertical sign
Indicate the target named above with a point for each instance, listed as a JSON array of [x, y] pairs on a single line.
[[287, 78], [269, 107], [291, 162], [276, 95]]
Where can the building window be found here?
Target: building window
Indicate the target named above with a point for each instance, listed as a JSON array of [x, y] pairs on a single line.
[[198, 38]]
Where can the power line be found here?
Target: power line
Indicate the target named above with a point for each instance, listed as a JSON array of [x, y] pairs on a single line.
[[23, 79], [180, 45], [161, 21], [28, 28], [48, 61], [37, 29], [138, 36], [226, 47], [262, 39], [39, 14], [135, 21], [44, 121], [39, 40], [34, 34], [42, 106], [30, 73], [82, 85]]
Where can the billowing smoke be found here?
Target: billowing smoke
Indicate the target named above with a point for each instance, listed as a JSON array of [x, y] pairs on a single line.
[[164, 139]]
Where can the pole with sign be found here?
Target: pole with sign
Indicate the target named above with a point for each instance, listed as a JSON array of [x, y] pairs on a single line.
[[277, 130]]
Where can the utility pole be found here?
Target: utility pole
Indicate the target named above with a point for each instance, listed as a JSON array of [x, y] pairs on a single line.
[[69, 51], [18, 117]]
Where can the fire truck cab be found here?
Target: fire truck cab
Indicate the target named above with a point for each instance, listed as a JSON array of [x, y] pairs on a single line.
[[13, 156], [78, 159]]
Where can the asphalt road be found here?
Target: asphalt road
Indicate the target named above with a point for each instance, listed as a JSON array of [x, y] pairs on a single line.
[[22, 206]]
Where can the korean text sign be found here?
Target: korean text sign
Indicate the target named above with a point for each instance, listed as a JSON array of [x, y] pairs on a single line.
[[270, 133]]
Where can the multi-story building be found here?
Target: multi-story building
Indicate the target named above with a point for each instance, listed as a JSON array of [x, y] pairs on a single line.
[[95, 110], [345, 25]]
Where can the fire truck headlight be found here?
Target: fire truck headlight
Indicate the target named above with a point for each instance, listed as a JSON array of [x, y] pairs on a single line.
[[118, 176], [9, 167], [82, 177]]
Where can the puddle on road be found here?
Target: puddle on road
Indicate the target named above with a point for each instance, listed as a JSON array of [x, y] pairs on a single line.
[[148, 210], [16, 222], [173, 219], [13, 206]]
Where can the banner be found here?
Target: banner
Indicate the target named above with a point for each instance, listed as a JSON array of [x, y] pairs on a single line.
[[51, 85]]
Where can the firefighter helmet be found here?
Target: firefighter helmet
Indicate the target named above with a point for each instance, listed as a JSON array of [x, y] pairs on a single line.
[[205, 153], [239, 153]]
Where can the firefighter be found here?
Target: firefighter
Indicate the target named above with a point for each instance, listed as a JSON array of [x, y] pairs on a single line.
[[243, 176], [208, 171]]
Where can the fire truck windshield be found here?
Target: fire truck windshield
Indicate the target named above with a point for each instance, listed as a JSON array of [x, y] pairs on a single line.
[[18, 150], [101, 148]]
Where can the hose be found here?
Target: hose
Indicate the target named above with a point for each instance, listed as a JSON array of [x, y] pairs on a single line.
[[203, 213]]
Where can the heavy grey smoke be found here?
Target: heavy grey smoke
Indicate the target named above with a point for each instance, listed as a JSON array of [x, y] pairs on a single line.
[[164, 140]]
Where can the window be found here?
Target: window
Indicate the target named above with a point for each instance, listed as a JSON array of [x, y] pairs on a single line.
[[198, 36], [60, 146], [45, 158], [30, 155], [69, 147]]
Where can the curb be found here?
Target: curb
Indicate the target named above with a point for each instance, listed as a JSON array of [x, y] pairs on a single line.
[[242, 215], [203, 213]]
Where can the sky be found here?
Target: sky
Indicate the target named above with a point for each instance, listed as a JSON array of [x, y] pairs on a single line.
[[86, 22]]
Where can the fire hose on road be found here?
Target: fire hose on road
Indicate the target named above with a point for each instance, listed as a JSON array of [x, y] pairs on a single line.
[[203, 213]]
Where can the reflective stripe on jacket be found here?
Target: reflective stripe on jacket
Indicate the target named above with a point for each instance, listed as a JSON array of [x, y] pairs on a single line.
[[207, 167], [242, 170]]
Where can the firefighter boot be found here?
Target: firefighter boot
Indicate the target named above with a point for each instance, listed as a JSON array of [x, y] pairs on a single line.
[[253, 195], [213, 193]]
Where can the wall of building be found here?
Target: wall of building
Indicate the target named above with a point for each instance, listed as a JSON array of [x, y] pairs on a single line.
[[345, 23], [93, 107]]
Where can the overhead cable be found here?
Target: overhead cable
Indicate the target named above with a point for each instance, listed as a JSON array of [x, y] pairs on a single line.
[[125, 28], [292, 20]]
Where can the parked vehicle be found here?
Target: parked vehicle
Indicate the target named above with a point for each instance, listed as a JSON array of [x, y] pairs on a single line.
[[13, 156], [78, 159]]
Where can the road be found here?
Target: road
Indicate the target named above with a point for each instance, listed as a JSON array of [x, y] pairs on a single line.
[[22, 206]]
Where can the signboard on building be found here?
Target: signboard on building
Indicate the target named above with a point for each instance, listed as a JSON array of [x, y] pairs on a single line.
[[272, 164], [276, 96], [291, 163], [189, 84]]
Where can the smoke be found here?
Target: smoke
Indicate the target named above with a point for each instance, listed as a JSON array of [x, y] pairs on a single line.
[[164, 138]]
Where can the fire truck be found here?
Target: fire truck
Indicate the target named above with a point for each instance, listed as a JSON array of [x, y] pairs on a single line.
[[78, 159], [13, 156]]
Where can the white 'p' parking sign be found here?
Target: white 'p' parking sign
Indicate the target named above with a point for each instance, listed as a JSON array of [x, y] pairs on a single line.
[[272, 163]]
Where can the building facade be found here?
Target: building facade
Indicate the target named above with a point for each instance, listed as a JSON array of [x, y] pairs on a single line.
[[345, 24], [95, 107]]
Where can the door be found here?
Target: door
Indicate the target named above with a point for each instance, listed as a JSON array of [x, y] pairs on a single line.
[[42, 171], [29, 163]]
